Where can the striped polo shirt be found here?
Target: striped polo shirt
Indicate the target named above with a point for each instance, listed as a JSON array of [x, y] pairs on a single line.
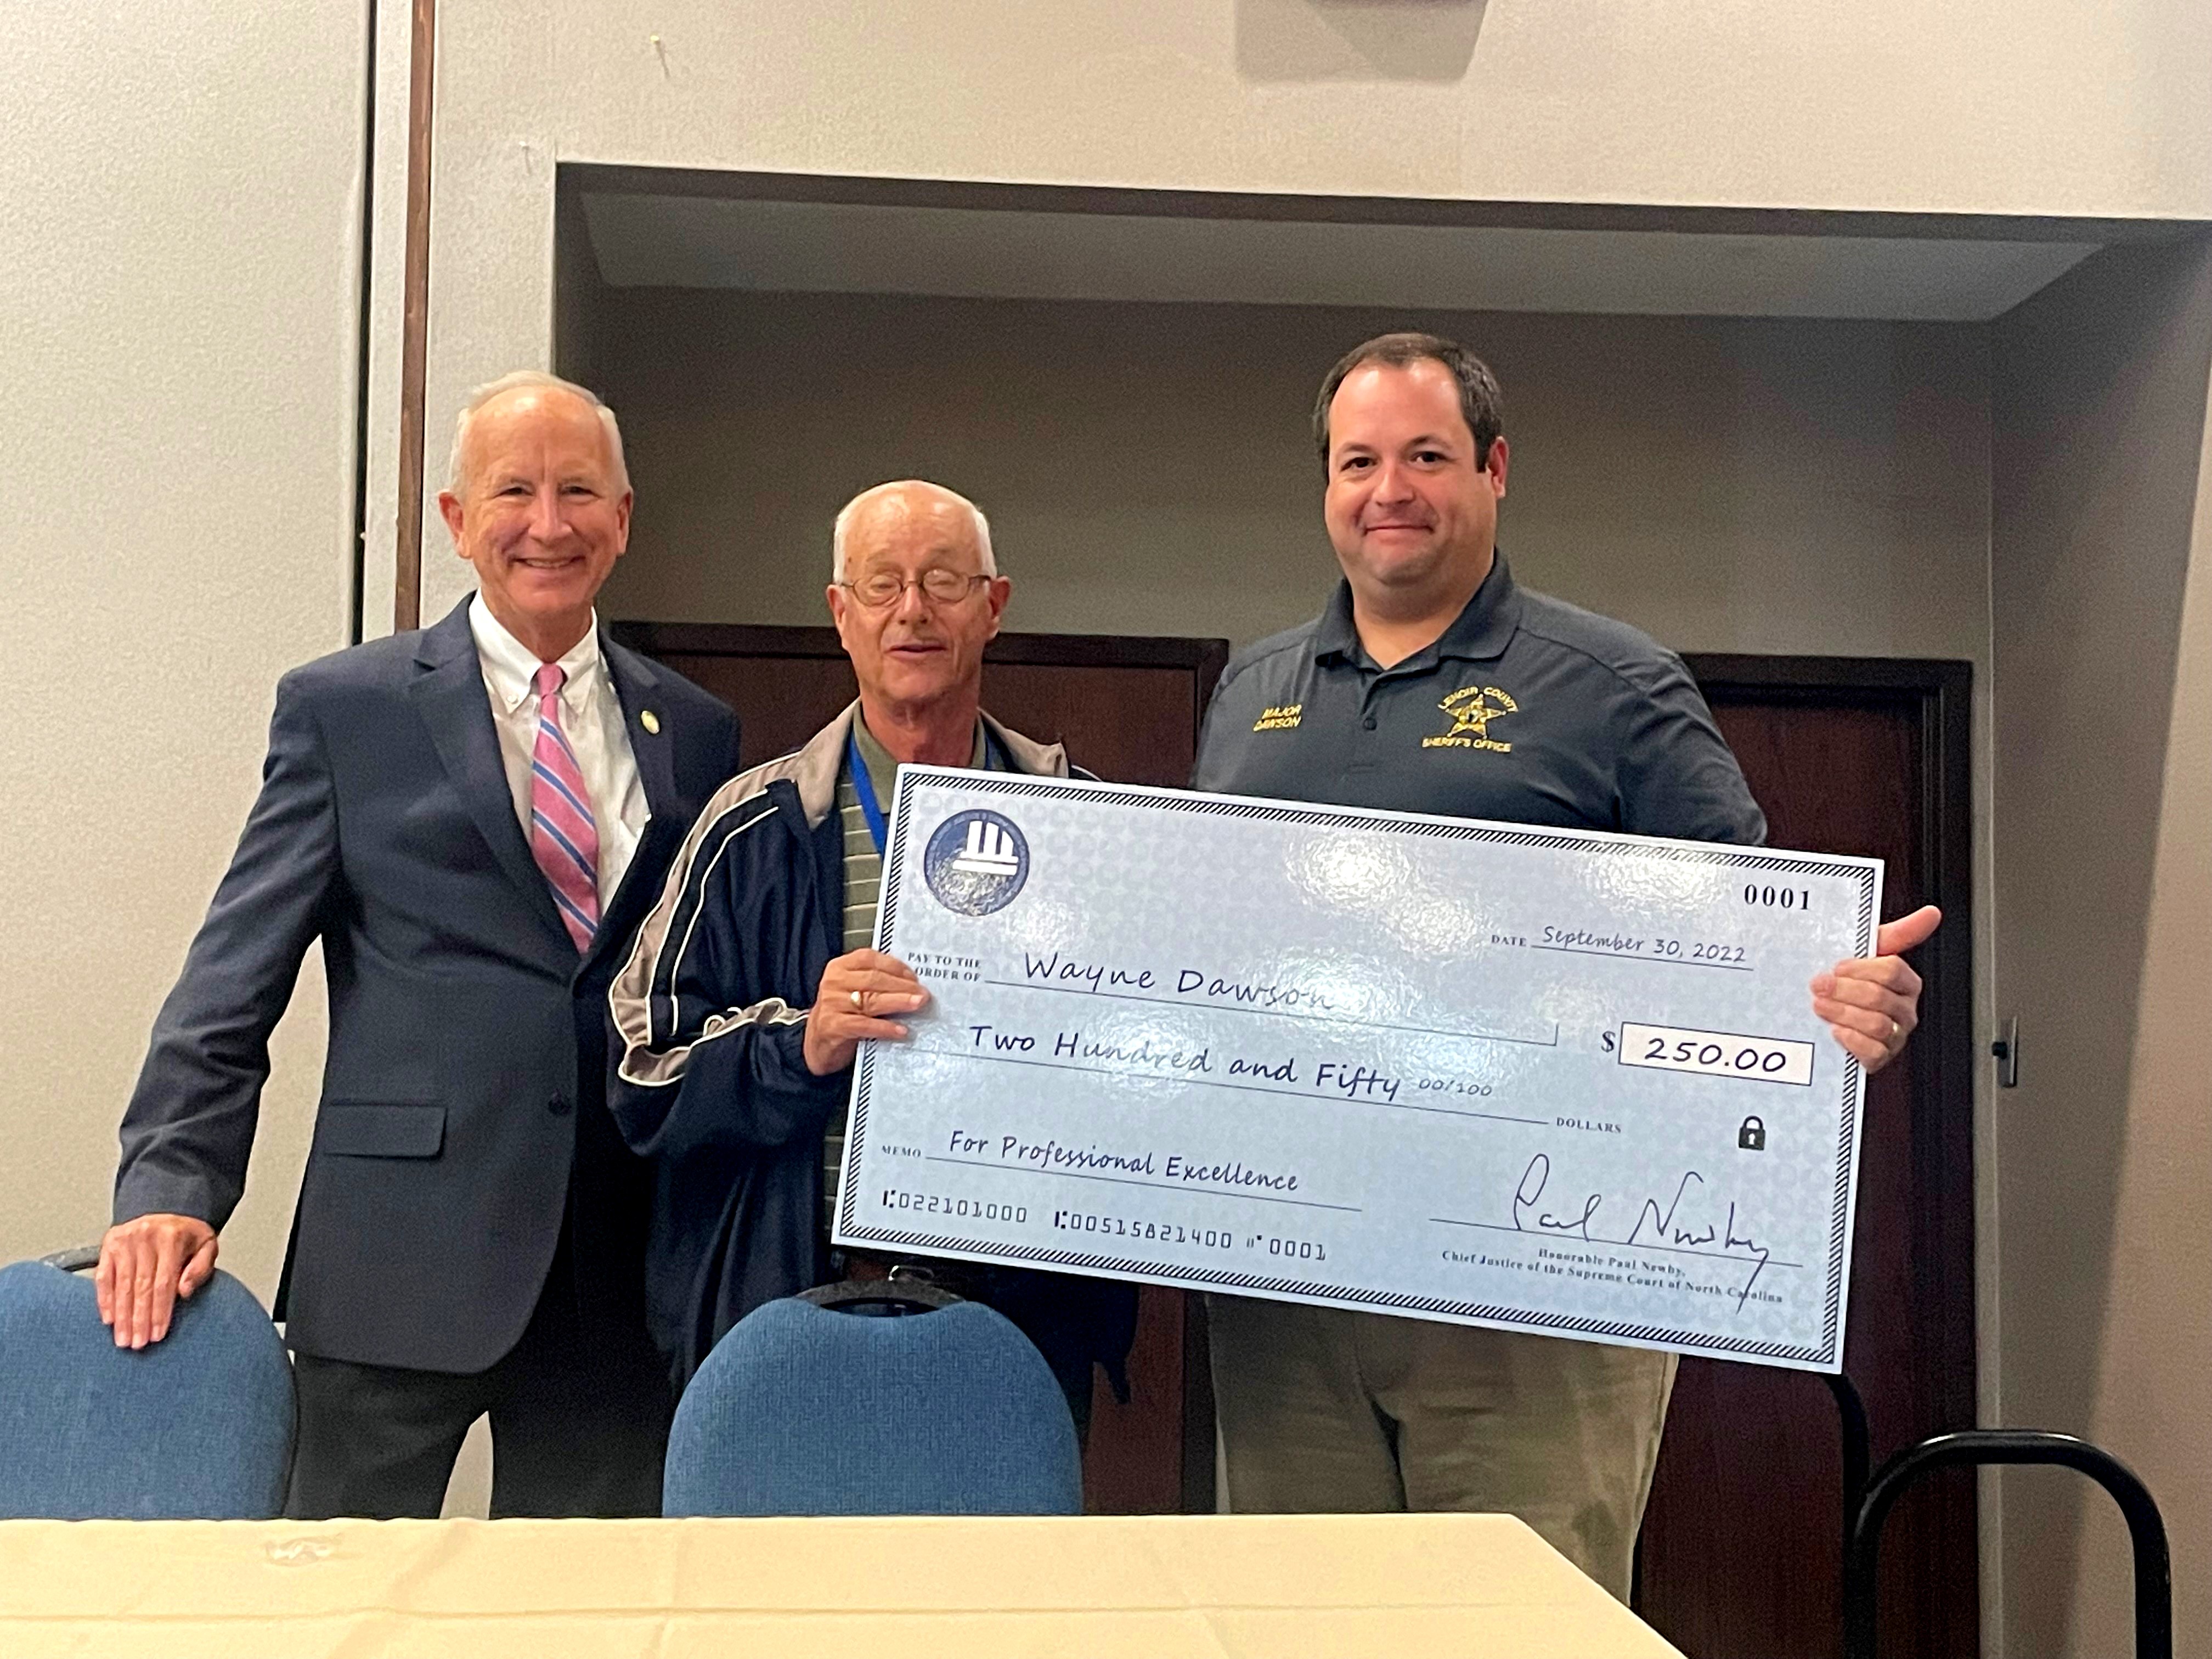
[[864, 887]]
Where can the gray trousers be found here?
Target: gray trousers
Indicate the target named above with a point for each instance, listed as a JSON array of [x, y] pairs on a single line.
[[1334, 1412]]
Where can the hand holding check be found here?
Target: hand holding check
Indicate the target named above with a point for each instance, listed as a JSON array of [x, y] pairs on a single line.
[[858, 990], [1873, 1003]]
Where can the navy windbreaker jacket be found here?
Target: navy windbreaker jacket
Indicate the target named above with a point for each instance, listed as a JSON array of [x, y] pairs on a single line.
[[707, 1072]]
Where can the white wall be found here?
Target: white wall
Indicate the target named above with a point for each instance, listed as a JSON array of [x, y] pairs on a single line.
[[2103, 1155], [2035, 107], [177, 328], [2058, 106]]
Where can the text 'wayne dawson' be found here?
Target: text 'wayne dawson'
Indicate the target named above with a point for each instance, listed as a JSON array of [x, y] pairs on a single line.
[[1191, 984]]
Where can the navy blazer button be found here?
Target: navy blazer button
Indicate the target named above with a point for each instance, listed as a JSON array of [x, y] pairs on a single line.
[[558, 1105]]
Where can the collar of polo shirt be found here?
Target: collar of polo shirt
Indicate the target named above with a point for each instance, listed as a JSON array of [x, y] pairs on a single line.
[[1480, 632]]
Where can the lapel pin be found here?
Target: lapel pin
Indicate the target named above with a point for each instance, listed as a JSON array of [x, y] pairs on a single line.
[[650, 722]]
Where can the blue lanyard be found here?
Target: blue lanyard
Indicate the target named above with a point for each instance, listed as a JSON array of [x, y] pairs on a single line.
[[864, 787]]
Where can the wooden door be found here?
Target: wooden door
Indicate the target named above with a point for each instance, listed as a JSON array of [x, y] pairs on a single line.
[[1127, 709], [1741, 1546]]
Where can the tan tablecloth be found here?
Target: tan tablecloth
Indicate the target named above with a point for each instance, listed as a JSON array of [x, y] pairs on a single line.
[[1404, 1586]]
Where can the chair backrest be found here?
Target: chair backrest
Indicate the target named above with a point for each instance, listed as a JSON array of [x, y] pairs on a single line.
[[803, 1410], [197, 1426], [1970, 1448]]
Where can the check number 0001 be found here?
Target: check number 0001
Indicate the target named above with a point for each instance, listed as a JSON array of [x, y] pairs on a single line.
[[1715, 1053]]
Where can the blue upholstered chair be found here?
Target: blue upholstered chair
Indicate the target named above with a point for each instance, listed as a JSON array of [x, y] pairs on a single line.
[[801, 1410], [198, 1426]]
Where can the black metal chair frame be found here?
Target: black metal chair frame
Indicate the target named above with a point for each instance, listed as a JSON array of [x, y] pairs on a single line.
[[1857, 1444], [880, 1298], [1972, 1447]]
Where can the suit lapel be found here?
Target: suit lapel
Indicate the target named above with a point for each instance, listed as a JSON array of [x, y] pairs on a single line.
[[450, 696], [647, 724], [634, 682]]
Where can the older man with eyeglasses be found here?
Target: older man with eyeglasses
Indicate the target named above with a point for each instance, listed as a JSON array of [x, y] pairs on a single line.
[[744, 1001]]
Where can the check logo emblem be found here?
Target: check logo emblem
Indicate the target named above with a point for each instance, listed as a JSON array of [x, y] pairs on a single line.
[[976, 862], [988, 851]]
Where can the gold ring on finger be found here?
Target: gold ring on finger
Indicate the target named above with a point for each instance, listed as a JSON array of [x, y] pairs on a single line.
[[1894, 1028], [856, 1000]]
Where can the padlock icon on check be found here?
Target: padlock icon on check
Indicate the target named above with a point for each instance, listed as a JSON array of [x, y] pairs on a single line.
[[1752, 1138]]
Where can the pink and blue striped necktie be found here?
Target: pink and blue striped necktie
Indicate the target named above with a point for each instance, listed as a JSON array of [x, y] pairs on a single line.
[[563, 837]]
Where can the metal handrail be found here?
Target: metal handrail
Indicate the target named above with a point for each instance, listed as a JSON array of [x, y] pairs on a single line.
[[1973, 1447]]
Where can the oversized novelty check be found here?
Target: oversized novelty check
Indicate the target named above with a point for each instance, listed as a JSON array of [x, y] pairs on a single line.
[[1542, 1079]]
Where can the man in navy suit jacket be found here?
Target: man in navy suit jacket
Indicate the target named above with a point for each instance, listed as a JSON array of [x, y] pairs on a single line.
[[470, 819]]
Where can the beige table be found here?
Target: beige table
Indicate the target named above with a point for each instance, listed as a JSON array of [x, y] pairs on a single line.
[[1404, 1586]]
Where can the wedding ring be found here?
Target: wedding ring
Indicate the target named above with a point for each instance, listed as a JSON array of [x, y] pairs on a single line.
[[1894, 1028], [856, 1003]]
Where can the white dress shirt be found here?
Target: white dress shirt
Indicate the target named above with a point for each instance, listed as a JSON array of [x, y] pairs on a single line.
[[591, 715]]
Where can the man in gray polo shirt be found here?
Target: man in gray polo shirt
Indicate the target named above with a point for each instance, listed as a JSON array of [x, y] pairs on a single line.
[[1433, 684]]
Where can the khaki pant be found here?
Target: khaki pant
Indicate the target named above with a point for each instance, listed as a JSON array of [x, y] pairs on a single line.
[[1324, 1410]]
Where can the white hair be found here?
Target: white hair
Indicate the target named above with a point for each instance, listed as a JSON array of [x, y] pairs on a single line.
[[851, 510], [534, 380]]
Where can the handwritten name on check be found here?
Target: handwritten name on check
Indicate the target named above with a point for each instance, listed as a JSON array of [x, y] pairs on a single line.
[[1542, 1079]]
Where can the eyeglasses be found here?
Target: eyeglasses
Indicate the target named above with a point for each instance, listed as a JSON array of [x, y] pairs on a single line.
[[886, 587]]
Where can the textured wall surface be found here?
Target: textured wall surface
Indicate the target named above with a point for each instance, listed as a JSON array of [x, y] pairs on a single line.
[[177, 224], [2103, 642]]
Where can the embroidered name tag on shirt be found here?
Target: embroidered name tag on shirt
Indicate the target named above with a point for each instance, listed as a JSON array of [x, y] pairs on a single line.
[[1280, 718]]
